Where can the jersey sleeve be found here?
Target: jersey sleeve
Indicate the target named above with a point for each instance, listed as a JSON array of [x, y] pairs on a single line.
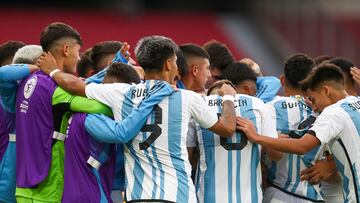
[[191, 140], [268, 121], [201, 112], [328, 125], [106, 93]]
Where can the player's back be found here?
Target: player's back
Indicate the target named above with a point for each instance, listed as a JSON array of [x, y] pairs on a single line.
[[293, 117], [229, 168], [156, 160]]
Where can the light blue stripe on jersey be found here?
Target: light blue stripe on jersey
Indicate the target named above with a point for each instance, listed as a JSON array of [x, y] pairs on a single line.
[[138, 172], [246, 111], [102, 193], [209, 187], [345, 181], [355, 117], [297, 181], [238, 164], [174, 140], [281, 117]]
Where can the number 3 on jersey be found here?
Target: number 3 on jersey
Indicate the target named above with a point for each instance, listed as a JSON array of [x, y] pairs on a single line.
[[154, 128]]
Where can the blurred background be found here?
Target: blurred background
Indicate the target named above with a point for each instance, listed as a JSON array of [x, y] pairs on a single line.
[[264, 30]]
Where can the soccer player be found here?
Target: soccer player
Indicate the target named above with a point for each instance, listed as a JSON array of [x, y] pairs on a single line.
[[197, 72], [89, 157], [27, 54], [293, 117], [229, 168], [337, 127], [157, 167]]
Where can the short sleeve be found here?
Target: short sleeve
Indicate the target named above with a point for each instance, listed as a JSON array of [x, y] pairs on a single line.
[[328, 125], [268, 121], [201, 112], [106, 93], [191, 140]]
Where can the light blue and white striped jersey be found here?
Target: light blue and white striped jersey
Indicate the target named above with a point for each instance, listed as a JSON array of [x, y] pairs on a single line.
[[156, 160], [338, 126], [229, 169], [291, 113]]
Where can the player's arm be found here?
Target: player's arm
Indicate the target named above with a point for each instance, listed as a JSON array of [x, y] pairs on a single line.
[[267, 87], [107, 130], [9, 77], [226, 125], [79, 104], [68, 82], [296, 146]]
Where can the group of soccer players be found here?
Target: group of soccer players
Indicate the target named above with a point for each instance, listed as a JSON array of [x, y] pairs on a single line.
[[185, 123]]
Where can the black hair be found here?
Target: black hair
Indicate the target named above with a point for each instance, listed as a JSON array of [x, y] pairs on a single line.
[[153, 51], [220, 55], [8, 50], [238, 72], [122, 73], [345, 65], [296, 68], [103, 49], [194, 50], [57, 31], [85, 64], [181, 63], [323, 73]]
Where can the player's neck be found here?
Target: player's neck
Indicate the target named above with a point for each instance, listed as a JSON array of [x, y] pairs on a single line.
[[288, 91], [157, 76]]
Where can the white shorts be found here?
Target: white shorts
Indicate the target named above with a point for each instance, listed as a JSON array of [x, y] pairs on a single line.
[[274, 195]]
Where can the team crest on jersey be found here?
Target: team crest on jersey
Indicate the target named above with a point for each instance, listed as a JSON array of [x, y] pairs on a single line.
[[30, 87]]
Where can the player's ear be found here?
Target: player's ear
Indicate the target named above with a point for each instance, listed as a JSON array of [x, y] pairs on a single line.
[[194, 70], [282, 79], [167, 65], [65, 49], [326, 90]]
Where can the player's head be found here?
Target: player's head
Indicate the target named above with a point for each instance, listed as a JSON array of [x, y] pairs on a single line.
[[64, 42], [242, 76], [252, 65], [7, 51], [324, 86], [157, 55], [217, 85], [345, 65], [321, 59], [220, 57], [121, 73], [296, 68], [103, 53], [197, 60], [85, 67], [28, 54]]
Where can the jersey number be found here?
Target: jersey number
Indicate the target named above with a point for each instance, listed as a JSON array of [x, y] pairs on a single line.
[[234, 146], [153, 128]]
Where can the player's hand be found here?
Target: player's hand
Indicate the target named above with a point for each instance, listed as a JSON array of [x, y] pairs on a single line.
[[247, 127], [355, 72], [226, 89], [322, 170], [46, 62]]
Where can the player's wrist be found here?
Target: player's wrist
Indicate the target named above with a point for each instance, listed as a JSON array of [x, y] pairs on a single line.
[[52, 73], [228, 97]]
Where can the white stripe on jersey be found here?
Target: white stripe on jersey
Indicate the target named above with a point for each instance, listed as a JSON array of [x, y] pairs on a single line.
[[160, 171], [339, 127], [231, 175], [285, 173]]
